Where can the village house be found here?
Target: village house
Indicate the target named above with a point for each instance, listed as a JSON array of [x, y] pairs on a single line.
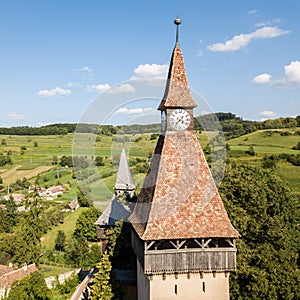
[[16, 197], [72, 206], [8, 275], [48, 193]]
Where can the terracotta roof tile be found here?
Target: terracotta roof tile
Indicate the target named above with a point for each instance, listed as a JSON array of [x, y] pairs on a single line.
[[177, 93], [7, 279], [179, 198], [4, 269]]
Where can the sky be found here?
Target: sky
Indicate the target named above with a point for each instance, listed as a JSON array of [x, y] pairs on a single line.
[[65, 61]]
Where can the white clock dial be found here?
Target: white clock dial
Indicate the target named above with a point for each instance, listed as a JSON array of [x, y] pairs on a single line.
[[180, 119]]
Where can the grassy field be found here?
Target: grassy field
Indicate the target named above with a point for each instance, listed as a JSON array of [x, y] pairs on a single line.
[[48, 240], [38, 156], [267, 141], [48, 270]]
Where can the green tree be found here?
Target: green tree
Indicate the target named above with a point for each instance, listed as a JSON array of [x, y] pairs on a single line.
[[69, 285], [11, 214], [32, 287], [99, 161], [35, 144], [60, 241], [94, 256], [3, 142], [269, 162], [85, 227], [82, 199], [66, 161], [101, 287], [77, 252], [297, 147], [29, 231], [251, 151], [54, 160], [266, 214]]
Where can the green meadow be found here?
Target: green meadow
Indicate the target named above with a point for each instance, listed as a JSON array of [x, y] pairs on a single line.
[[34, 155], [269, 141]]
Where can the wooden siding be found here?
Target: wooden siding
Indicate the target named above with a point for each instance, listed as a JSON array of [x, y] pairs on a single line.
[[184, 260], [189, 260]]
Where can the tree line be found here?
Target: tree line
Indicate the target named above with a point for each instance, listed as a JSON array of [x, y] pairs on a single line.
[[231, 125]]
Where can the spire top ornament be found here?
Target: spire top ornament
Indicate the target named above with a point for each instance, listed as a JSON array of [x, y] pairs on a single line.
[[177, 22]]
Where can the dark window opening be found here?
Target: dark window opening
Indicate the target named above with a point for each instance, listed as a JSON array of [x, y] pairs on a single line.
[[176, 289], [203, 287]]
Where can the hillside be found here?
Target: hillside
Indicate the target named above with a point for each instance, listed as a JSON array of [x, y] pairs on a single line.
[[33, 155]]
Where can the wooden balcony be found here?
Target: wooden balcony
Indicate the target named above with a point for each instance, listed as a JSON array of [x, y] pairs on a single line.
[[184, 260], [189, 260]]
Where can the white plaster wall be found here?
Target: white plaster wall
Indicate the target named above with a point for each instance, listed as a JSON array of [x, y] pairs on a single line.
[[184, 288]]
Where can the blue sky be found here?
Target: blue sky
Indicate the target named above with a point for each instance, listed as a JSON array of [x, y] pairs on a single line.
[[57, 56]]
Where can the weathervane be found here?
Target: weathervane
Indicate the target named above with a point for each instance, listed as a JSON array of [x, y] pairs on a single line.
[[177, 22]]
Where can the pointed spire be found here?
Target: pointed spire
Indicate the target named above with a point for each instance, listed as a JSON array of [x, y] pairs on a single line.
[[177, 22], [124, 180], [177, 93]]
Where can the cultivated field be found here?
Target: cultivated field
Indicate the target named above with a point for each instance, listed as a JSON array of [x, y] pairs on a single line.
[[41, 151]]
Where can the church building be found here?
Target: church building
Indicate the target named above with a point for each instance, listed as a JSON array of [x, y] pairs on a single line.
[[182, 237]]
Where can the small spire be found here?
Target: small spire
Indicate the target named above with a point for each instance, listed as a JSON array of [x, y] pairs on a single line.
[[177, 22]]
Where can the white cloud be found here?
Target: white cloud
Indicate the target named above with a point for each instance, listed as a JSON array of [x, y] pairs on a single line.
[[58, 91], [268, 22], [204, 112], [262, 79], [134, 111], [14, 116], [291, 77], [292, 72], [153, 70], [84, 69], [98, 87], [44, 123], [267, 114], [74, 84], [253, 11], [242, 40], [123, 88]]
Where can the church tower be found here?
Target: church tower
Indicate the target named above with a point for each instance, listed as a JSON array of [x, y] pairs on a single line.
[[124, 183], [182, 236]]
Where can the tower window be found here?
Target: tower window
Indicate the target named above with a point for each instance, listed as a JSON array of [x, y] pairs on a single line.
[[203, 287], [176, 289]]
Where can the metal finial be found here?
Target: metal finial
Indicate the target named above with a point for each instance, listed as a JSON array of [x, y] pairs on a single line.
[[177, 22]]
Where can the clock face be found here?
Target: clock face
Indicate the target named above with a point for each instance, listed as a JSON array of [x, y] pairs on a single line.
[[180, 119]]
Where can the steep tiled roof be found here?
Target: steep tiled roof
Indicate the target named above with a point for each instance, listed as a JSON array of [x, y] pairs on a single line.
[[7, 279], [179, 198], [73, 204], [116, 210], [177, 93], [4, 269], [124, 179]]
